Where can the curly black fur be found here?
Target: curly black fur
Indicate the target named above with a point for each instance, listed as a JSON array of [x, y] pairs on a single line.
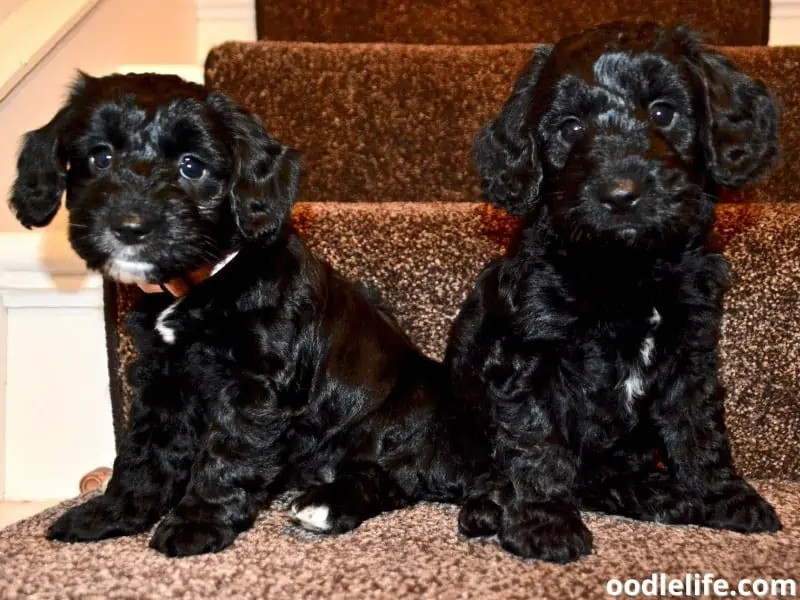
[[590, 349], [274, 373]]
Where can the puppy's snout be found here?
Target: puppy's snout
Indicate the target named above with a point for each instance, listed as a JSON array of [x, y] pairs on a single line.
[[620, 194], [131, 229]]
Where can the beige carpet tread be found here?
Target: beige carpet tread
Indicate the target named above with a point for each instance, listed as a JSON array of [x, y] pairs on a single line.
[[414, 553]]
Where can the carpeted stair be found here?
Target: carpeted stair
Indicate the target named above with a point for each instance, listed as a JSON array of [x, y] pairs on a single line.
[[383, 102]]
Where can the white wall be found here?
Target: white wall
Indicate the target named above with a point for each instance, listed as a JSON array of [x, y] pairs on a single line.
[[785, 23], [9, 6], [222, 20]]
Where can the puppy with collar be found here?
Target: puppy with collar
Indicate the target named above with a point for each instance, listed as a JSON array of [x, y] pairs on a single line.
[[270, 372], [590, 348]]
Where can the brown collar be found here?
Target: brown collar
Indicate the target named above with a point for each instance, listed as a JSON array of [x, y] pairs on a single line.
[[180, 286]]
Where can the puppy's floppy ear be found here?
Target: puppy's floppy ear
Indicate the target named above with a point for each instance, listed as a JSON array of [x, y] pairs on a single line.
[[505, 150], [265, 174], [42, 172], [738, 120]]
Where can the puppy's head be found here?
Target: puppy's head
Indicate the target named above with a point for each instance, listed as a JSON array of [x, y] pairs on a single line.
[[625, 132], [161, 176]]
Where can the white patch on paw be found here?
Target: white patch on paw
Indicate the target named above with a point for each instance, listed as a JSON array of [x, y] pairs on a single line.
[[313, 518], [648, 345], [166, 332]]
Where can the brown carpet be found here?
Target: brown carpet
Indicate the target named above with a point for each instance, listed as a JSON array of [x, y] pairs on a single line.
[[393, 122], [414, 553], [424, 257], [732, 22]]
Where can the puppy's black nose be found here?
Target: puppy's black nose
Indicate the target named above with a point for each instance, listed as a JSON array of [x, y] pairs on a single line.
[[620, 194], [130, 228]]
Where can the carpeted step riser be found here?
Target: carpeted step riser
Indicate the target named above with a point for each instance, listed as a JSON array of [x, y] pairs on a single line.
[[424, 258], [730, 22], [388, 122]]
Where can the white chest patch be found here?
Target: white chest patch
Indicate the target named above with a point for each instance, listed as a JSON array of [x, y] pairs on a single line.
[[655, 319], [633, 384], [166, 332], [634, 387], [162, 326], [646, 351]]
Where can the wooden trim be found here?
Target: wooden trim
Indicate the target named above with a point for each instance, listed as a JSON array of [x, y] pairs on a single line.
[[95, 480], [29, 33]]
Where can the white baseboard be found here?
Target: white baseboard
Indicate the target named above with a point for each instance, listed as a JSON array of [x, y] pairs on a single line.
[[55, 408]]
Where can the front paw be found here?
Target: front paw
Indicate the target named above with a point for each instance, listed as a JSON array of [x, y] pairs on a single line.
[[97, 519], [558, 537], [480, 517], [329, 509], [180, 537], [736, 506]]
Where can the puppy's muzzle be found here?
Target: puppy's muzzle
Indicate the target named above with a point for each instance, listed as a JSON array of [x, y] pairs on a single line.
[[131, 228], [620, 194]]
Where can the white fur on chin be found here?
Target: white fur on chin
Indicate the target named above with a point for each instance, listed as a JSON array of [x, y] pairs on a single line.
[[128, 271]]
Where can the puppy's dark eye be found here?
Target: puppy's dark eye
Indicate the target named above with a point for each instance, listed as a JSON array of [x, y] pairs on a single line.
[[101, 157], [191, 167], [662, 114], [572, 130]]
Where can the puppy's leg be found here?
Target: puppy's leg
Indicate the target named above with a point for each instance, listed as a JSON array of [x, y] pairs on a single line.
[[232, 475], [653, 496], [150, 472], [628, 481], [359, 492], [552, 531], [542, 521], [691, 423], [540, 517], [482, 514], [222, 500], [734, 504]]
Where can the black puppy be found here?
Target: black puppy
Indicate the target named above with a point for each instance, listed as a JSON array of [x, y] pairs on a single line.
[[272, 372], [591, 347]]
